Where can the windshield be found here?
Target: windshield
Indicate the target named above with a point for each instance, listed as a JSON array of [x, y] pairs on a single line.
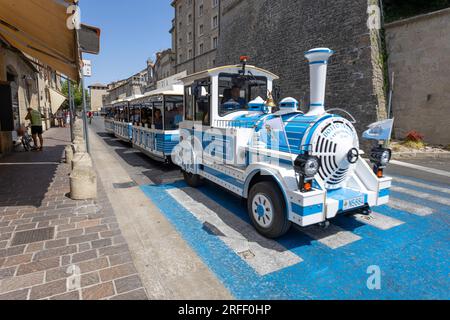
[[236, 91]]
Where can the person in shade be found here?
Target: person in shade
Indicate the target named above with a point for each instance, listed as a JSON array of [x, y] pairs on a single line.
[[35, 117]]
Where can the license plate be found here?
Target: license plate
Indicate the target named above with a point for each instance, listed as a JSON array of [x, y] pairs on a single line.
[[354, 203]]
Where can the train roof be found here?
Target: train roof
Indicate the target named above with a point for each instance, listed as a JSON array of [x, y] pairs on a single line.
[[229, 68]]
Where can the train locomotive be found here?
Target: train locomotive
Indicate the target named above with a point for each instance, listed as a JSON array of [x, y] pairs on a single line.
[[293, 168]]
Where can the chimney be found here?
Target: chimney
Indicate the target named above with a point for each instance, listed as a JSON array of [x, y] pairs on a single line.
[[318, 63]]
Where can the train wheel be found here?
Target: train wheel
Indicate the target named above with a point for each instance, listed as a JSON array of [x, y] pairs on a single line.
[[267, 209], [193, 180]]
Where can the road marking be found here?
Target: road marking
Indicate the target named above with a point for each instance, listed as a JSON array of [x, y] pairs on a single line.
[[410, 207], [30, 163], [421, 168], [263, 255], [422, 185], [378, 221], [333, 237], [423, 195]]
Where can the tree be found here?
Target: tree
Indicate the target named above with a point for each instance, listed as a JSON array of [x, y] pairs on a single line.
[[77, 94]]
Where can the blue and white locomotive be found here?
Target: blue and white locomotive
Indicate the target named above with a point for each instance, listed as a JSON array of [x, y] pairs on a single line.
[[155, 119], [291, 167]]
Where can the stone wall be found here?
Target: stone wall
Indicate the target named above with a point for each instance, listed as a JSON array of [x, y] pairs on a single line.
[[419, 55], [275, 34]]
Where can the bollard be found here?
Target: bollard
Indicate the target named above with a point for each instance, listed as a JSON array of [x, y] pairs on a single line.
[[81, 160], [69, 154], [83, 183], [79, 147]]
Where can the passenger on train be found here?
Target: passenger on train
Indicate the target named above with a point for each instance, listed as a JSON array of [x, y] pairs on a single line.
[[158, 120], [232, 99]]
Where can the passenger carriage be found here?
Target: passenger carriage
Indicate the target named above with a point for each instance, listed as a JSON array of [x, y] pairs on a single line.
[[156, 117], [291, 167], [109, 119], [123, 127]]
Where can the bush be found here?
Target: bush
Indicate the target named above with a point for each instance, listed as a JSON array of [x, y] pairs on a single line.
[[414, 136]]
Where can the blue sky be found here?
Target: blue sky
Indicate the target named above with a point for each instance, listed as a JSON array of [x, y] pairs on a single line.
[[132, 32]]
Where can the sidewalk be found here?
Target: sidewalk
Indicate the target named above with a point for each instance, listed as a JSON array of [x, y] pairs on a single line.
[[52, 247]]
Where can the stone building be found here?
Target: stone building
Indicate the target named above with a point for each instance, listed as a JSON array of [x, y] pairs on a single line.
[[419, 56], [133, 86], [275, 35], [195, 34], [29, 84], [97, 92]]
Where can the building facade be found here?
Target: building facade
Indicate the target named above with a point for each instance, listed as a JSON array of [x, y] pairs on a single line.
[[97, 92], [419, 55], [195, 34], [276, 34], [24, 83], [133, 86]]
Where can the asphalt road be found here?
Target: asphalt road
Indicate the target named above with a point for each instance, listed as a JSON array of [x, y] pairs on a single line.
[[405, 242]]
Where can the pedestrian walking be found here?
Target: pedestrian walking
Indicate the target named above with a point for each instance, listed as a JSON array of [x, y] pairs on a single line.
[[35, 117], [90, 116]]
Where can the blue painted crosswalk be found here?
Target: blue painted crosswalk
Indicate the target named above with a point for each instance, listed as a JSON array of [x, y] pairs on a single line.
[[410, 248]]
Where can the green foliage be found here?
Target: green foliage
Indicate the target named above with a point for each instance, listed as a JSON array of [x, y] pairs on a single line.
[[402, 9], [77, 93]]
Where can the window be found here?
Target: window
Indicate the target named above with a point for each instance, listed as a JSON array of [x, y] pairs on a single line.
[[190, 54], [180, 9], [203, 103], [189, 18], [180, 58], [215, 22], [201, 48], [147, 114], [188, 103], [158, 115], [190, 37], [200, 29], [236, 91], [200, 11], [173, 112], [215, 42], [215, 3]]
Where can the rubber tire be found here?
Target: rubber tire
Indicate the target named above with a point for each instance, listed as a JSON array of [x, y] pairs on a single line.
[[193, 180], [281, 224]]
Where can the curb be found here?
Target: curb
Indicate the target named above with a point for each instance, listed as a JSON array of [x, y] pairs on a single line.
[[421, 155]]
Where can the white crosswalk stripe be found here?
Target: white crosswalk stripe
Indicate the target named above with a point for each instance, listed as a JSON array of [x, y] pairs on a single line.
[[410, 207], [378, 221], [422, 195], [422, 185], [263, 255], [333, 237]]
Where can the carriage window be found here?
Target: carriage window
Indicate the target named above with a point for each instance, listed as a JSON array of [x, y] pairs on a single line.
[[189, 109], [135, 115], [147, 114], [203, 105], [173, 112], [158, 115], [236, 91]]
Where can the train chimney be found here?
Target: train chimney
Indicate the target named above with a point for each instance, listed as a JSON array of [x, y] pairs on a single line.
[[318, 63]]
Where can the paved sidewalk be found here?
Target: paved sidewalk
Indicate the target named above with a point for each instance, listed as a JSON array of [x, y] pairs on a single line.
[[52, 247]]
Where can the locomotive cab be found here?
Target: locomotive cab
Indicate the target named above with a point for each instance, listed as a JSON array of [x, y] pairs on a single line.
[[291, 167]]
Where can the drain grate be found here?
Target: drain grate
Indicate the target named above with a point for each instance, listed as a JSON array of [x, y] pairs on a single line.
[[125, 185], [31, 236]]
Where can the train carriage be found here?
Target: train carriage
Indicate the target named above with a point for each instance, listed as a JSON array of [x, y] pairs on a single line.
[[109, 114], [156, 117], [291, 167]]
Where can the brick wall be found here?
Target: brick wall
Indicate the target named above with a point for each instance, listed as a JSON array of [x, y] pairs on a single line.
[[275, 34], [419, 51]]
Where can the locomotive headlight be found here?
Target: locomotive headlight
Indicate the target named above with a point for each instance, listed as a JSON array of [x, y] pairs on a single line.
[[381, 156], [307, 166]]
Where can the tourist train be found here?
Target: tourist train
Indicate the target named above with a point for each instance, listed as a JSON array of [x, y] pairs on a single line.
[[293, 168], [149, 122]]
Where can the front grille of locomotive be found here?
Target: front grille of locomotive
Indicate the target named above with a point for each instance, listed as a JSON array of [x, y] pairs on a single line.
[[332, 151]]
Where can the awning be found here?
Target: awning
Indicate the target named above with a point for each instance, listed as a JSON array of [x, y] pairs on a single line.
[[39, 29], [56, 99]]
